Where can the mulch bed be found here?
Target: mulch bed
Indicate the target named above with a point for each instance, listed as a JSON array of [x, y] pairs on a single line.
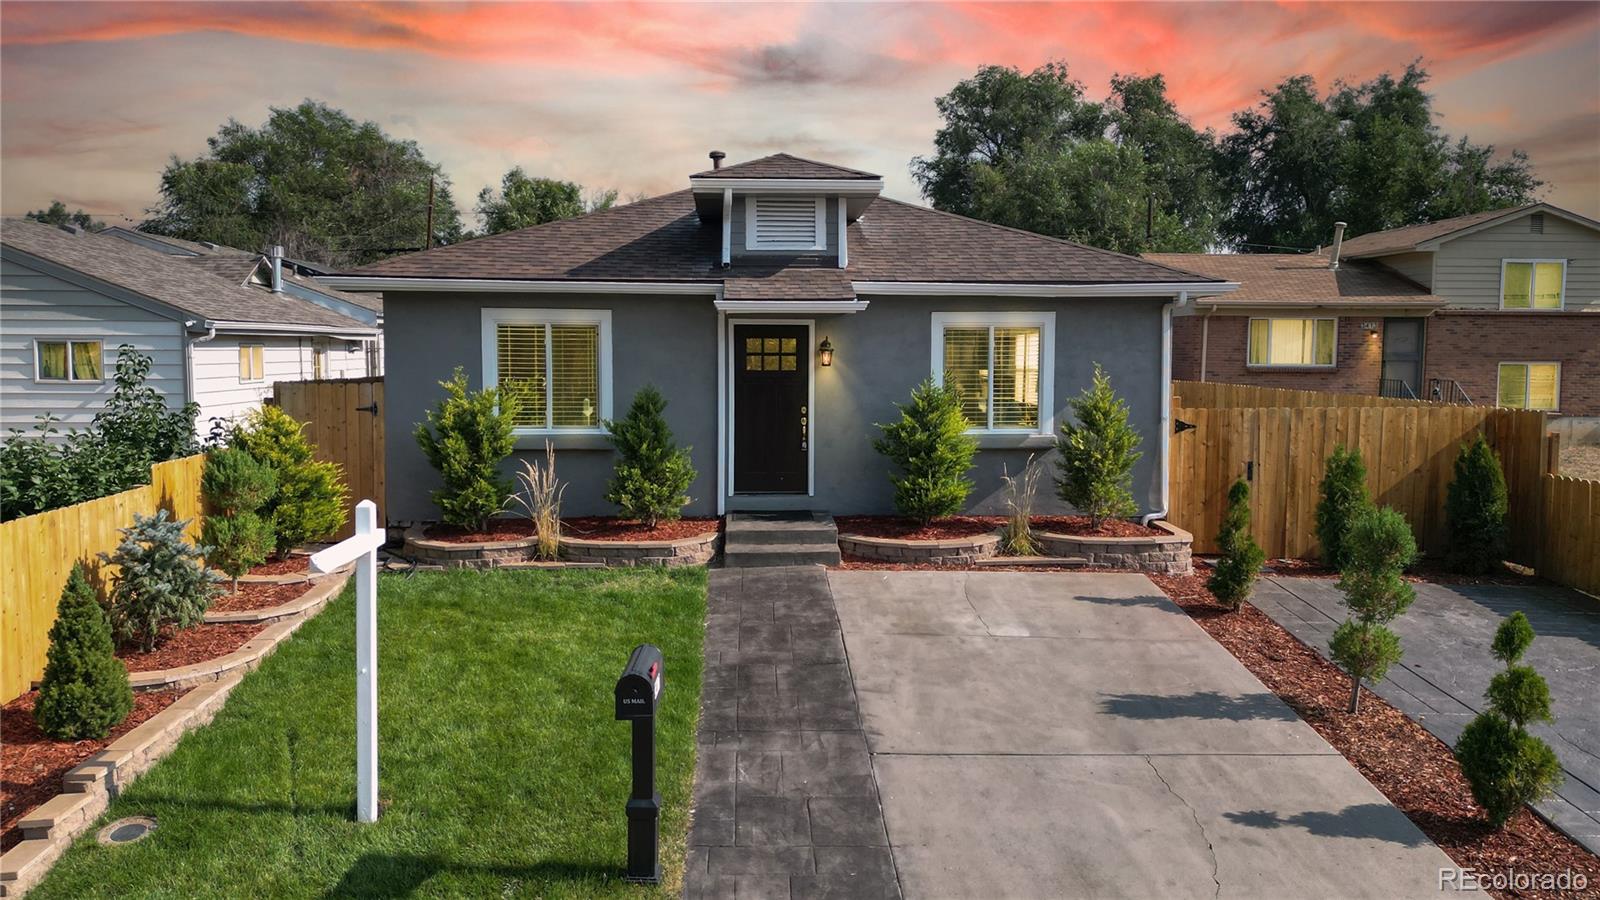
[[198, 643], [1414, 769], [498, 530], [607, 528], [1078, 526], [258, 595], [293, 564], [32, 764], [956, 527], [1427, 569]]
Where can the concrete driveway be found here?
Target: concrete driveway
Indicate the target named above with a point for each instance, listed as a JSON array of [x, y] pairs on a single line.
[[1076, 735]]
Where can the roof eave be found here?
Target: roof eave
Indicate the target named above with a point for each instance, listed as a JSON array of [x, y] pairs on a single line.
[[400, 283], [1190, 289], [862, 186]]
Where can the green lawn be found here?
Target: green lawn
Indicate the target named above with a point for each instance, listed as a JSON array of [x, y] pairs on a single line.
[[502, 771]]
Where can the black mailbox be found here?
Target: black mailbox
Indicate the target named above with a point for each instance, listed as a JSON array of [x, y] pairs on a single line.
[[638, 694], [639, 688]]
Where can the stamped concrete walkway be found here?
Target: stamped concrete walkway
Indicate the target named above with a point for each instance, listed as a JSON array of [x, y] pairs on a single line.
[[1447, 665], [1028, 735]]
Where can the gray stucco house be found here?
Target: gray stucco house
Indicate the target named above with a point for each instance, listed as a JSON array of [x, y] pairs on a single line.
[[729, 294]]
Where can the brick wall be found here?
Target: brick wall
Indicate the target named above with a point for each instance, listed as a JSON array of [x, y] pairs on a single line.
[[1469, 347], [1359, 358]]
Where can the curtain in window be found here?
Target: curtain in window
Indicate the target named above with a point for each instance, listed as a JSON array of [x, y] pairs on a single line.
[[966, 368], [1513, 385], [1292, 342], [1547, 285], [53, 360], [1259, 329], [1542, 379], [1515, 291], [86, 360]]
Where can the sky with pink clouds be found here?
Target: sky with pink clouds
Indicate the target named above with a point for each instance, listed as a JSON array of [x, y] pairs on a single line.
[[95, 97]]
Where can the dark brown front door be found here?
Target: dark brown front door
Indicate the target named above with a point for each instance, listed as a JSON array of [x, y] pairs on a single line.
[[1402, 359], [771, 422]]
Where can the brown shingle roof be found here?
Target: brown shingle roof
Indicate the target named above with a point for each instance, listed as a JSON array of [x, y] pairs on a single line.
[[165, 278], [662, 239], [1403, 240], [807, 278], [782, 165], [1300, 278]]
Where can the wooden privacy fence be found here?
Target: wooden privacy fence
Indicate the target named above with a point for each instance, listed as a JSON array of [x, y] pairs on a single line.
[[1409, 450], [344, 418], [37, 553], [1214, 395], [1569, 552]]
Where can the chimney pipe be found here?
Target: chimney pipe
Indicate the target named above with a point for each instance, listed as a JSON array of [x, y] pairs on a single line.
[[275, 257], [1338, 241], [717, 156]]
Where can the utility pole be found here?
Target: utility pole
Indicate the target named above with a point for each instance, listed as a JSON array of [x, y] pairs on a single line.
[[1149, 216], [427, 239]]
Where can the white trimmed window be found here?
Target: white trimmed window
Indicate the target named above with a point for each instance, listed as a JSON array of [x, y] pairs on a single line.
[[785, 223], [252, 362], [1299, 343], [68, 361], [557, 362], [1533, 283], [1529, 385], [1001, 364]]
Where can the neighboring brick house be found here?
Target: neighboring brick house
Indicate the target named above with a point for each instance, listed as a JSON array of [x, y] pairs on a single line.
[[1298, 322]]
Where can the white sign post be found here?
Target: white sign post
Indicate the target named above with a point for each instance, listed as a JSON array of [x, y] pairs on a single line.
[[363, 549]]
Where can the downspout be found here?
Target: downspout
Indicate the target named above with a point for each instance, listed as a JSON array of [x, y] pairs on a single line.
[[1205, 340], [727, 227], [1166, 403], [722, 412], [188, 358]]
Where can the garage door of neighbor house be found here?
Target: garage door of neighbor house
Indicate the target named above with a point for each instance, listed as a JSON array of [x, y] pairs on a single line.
[[344, 418]]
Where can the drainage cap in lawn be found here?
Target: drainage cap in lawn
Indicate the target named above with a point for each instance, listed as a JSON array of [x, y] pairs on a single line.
[[126, 831]]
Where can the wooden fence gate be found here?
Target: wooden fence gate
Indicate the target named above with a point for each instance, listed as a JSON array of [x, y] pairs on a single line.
[[344, 418]]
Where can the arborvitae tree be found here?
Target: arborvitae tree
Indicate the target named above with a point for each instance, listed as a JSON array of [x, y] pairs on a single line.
[[652, 476], [84, 692], [1235, 574], [1098, 453], [1475, 510], [235, 486], [309, 502], [1378, 548], [1344, 497], [1504, 764], [466, 437], [931, 448]]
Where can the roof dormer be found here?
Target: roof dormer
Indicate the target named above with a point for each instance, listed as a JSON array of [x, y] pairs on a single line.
[[782, 204]]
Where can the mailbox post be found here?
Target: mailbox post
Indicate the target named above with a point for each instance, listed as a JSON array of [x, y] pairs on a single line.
[[638, 693]]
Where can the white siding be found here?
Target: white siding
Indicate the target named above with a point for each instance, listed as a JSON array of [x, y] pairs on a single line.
[[1468, 268], [36, 305], [1416, 266], [220, 392]]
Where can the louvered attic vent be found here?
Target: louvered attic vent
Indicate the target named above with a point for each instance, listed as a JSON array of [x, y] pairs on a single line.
[[784, 223], [1536, 223]]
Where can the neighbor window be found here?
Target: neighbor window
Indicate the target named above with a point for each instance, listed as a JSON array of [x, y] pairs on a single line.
[[252, 365], [785, 223], [555, 361], [319, 360], [1530, 385], [1292, 342], [998, 363], [68, 361], [1532, 283]]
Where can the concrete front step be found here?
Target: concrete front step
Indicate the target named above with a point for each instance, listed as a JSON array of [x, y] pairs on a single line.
[[776, 539], [766, 555]]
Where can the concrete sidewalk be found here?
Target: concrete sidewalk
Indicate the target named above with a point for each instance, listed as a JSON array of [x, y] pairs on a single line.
[[1050, 735]]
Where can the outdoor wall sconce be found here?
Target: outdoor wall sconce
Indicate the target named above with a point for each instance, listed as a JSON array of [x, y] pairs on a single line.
[[825, 351], [1371, 327]]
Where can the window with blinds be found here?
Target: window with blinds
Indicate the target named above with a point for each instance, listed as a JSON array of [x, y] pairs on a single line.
[[996, 370], [1533, 284], [1292, 342], [1530, 385], [785, 223], [553, 368]]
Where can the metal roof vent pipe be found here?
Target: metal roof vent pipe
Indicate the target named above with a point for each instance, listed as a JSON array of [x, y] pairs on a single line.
[[1338, 241], [275, 257], [717, 156]]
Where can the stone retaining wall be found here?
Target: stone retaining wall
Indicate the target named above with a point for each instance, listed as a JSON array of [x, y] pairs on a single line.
[[691, 551], [452, 555], [1165, 555], [952, 552]]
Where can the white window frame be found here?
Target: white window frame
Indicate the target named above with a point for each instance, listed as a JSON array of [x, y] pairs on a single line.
[[750, 225], [1527, 378], [263, 349], [38, 376], [1044, 320], [1321, 367], [1532, 280], [491, 359]]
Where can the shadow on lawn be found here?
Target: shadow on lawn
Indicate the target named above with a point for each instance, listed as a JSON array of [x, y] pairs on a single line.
[[386, 875]]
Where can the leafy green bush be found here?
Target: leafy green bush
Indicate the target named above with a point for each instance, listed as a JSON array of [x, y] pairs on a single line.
[[235, 486], [84, 692], [39, 472], [1235, 574], [1344, 497], [1377, 549], [1098, 453], [1504, 764], [160, 581], [1475, 510], [466, 437], [931, 448], [309, 502], [652, 475]]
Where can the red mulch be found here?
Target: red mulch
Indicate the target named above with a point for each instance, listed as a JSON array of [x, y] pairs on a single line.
[[258, 595], [293, 564], [1414, 769], [32, 764], [955, 527], [1078, 526], [607, 528], [1427, 569], [498, 530], [198, 643]]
